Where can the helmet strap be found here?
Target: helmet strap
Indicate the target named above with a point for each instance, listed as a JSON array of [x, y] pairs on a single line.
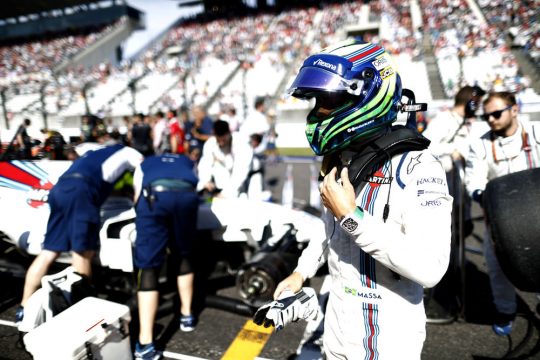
[[411, 107]]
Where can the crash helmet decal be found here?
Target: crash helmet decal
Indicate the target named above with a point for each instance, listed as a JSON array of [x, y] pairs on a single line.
[[356, 88]]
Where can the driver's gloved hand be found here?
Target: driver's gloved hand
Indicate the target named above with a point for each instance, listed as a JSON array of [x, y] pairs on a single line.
[[289, 307]]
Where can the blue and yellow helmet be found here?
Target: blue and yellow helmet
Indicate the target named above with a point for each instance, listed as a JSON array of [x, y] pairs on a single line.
[[356, 89]]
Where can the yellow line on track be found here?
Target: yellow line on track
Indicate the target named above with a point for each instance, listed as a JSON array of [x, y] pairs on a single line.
[[249, 342]]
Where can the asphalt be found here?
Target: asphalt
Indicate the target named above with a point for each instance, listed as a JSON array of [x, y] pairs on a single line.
[[463, 332]]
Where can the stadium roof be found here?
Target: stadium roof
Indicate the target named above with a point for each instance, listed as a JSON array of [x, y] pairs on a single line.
[[16, 8]]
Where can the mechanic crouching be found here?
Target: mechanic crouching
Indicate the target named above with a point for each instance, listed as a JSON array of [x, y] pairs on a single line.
[[166, 208]]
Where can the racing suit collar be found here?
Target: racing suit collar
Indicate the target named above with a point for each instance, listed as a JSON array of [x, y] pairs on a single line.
[[505, 140]]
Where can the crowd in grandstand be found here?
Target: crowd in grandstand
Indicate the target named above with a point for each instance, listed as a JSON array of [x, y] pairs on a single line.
[[471, 50], [231, 61], [26, 66], [519, 20]]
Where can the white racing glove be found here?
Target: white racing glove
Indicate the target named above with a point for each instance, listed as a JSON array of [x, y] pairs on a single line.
[[289, 307]]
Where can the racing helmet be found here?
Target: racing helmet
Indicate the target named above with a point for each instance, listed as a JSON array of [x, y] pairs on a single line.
[[356, 89]]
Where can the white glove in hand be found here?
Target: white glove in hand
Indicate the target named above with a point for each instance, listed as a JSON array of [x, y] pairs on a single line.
[[289, 307]]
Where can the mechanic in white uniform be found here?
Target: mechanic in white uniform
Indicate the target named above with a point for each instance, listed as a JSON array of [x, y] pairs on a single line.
[[387, 224], [510, 146], [225, 163], [449, 130]]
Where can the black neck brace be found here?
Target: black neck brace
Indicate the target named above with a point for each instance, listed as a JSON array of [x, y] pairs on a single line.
[[398, 140]]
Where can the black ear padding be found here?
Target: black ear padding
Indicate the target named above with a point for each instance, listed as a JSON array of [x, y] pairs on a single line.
[[472, 105]]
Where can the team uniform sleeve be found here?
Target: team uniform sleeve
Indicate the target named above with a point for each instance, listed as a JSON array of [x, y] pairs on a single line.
[[418, 246], [243, 158], [437, 131], [137, 183], [135, 158], [476, 168], [204, 168], [316, 253]]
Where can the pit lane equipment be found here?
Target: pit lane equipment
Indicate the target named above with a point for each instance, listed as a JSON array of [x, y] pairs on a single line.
[[91, 329], [57, 293], [272, 262], [289, 307]]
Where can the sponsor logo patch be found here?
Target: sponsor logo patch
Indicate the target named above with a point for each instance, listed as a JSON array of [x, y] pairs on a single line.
[[359, 126], [412, 107], [380, 63], [424, 192], [387, 72], [430, 180], [414, 161], [322, 63], [362, 294], [379, 180], [431, 203]]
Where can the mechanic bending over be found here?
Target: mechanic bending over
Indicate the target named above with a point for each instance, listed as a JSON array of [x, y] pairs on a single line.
[[226, 163], [75, 203], [387, 208], [166, 205], [508, 147]]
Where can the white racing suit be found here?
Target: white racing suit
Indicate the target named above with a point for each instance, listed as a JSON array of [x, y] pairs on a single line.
[[448, 132], [228, 171], [375, 308], [491, 157]]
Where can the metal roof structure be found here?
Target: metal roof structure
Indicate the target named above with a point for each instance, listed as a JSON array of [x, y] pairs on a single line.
[[16, 8]]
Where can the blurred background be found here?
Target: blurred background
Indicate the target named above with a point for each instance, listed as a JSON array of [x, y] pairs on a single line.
[[62, 60], [73, 70]]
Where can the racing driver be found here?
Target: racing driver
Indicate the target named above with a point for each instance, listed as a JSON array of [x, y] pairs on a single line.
[[387, 209]]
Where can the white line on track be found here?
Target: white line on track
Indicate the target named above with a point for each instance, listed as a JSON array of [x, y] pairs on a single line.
[[172, 355], [7, 323]]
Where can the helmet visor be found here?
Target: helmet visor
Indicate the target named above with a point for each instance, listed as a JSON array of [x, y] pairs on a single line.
[[313, 78]]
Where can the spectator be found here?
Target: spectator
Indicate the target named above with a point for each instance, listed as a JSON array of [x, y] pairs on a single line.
[[177, 134], [272, 153], [24, 140], [257, 123], [140, 136], [230, 116], [161, 134], [87, 128], [199, 129]]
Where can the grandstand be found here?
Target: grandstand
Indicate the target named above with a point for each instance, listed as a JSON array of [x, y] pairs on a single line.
[[61, 59]]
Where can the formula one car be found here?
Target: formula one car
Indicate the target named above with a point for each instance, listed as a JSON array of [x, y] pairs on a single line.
[[263, 228]]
